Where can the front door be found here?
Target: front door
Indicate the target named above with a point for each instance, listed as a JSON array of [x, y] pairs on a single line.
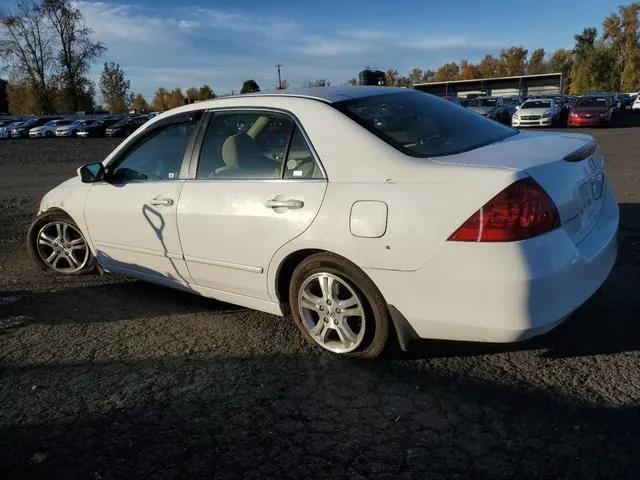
[[131, 217], [258, 186]]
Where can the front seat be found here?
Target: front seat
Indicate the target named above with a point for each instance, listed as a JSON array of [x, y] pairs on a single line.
[[243, 156]]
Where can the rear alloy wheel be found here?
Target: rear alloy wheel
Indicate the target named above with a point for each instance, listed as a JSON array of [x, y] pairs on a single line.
[[58, 246], [48, 134], [336, 306]]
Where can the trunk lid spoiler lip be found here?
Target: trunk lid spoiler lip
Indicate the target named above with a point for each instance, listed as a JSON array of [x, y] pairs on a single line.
[[581, 153]]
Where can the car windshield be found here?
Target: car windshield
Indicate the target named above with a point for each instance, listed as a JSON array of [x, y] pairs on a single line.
[[593, 102], [422, 125], [536, 104], [121, 123], [483, 102]]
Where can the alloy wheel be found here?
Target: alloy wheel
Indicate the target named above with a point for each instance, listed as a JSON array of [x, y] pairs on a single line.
[[332, 312], [62, 247]]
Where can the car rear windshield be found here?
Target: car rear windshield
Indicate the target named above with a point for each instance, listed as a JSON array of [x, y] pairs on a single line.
[[422, 125], [483, 102], [592, 102], [537, 104]]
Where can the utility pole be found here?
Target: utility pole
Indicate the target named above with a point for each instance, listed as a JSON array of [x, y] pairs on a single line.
[[278, 66]]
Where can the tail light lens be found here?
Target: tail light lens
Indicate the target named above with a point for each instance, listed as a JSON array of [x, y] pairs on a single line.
[[522, 210]]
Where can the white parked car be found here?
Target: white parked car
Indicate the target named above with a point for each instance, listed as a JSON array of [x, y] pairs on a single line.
[[71, 130], [635, 107], [437, 223], [538, 112], [48, 129], [6, 127]]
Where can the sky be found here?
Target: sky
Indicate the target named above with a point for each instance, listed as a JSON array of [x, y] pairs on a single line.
[[183, 43]]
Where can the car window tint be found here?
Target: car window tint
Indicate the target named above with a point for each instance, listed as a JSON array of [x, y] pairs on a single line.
[[300, 162], [244, 145], [423, 125], [158, 156]]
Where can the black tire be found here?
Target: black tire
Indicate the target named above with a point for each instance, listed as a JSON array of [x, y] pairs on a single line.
[[377, 315], [32, 243], [48, 134], [74, 133]]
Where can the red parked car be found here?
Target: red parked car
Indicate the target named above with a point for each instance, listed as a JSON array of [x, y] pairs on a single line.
[[591, 111]]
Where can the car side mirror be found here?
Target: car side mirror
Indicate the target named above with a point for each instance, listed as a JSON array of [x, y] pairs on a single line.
[[91, 172]]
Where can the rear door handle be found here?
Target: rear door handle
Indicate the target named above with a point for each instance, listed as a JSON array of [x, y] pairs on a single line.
[[277, 203], [161, 202]]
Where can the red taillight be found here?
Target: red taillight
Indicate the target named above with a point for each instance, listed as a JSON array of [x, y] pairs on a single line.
[[522, 210]]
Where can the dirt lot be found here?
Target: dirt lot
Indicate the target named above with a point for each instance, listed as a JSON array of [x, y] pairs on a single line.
[[109, 378]]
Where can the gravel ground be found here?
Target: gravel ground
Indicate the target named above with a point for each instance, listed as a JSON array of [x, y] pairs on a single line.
[[110, 378]]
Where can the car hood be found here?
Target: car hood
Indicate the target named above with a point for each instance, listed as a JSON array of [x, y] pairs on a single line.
[[37, 129], [533, 111]]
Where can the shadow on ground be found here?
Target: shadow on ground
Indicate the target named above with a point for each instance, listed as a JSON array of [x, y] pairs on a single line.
[[299, 417]]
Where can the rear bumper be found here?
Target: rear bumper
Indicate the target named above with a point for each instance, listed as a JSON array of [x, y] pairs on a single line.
[[492, 292], [587, 122]]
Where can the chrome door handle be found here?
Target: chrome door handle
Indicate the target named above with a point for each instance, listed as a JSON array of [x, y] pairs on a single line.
[[276, 203], [162, 202]]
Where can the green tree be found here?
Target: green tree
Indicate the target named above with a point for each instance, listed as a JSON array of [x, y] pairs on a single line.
[[561, 62], [391, 77], [249, 86], [114, 88], [620, 35], [205, 93], [447, 72], [77, 50], [27, 48]]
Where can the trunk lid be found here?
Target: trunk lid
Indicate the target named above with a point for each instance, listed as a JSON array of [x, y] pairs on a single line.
[[569, 167]]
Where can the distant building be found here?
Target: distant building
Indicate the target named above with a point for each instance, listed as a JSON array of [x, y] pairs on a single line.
[[372, 77]]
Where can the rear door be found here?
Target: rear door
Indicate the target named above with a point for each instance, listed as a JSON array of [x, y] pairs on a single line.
[[257, 185]]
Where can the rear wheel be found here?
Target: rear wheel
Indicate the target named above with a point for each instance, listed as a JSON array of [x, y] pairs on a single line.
[[58, 246], [337, 306], [48, 134]]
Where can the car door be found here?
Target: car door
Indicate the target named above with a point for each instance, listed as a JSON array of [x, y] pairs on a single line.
[[257, 184], [131, 217]]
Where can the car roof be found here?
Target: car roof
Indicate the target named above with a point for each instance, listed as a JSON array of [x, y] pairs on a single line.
[[324, 94]]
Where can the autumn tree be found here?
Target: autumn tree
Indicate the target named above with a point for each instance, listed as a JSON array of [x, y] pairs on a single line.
[[22, 100], [4, 99], [391, 77], [175, 98], [489, 67], [352, 82], [114, 88], [447, 72], [416, 76], [160, 100], [536, 63], [191, 94], [139, 103], [77, 50], [561, 62], [513, 61], [469, 71]]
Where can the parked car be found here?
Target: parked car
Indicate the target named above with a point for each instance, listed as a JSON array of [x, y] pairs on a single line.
[[48, 129], [97, 128], [543, 112], [591, 110], [635, 106], [72, 129], [452, 206], [22, 130], [452, 99], [5, 128], [125, 127], [490, 107]]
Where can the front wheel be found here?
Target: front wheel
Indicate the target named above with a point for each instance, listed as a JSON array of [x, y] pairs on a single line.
[[337, 306], [58, 246]]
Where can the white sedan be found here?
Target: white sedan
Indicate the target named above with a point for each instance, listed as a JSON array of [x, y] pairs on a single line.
[[539, 112], [48, 130], [363, 211]]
